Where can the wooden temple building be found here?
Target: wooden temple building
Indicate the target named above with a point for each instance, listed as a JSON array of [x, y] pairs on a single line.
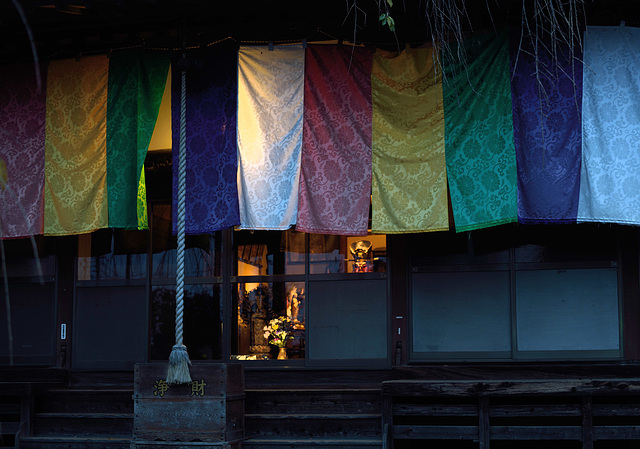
[[510, 335]]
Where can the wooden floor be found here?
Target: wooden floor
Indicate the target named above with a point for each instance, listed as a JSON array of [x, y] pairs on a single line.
[[75, 418], [578, 412], [459, 406], [96, 412]]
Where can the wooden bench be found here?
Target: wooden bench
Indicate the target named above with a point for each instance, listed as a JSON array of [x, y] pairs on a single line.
[[525, 410]]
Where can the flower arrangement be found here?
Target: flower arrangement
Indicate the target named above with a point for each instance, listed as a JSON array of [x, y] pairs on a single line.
[[278, 331]]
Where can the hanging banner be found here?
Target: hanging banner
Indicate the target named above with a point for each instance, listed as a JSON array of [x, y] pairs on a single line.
[[75, 147], [481, 162], [546, 92], [409, 187], [22, 134], [270, 111], [211, 201], [136, 85], [335, 178], [609, 185]]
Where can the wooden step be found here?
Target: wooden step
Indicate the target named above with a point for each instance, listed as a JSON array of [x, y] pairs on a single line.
[[85, 400], [137, 443], [86, 415], [9, 428], [8, 442], [312, 416], [313, 401], [118, 425], [313, 426], [10, 418], [9, 408], [42, 442], [315, 443]]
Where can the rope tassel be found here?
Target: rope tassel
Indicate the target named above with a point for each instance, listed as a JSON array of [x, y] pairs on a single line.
[[178, 371]]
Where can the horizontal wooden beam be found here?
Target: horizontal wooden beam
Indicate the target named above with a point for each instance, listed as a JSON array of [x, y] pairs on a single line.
[[502, 411], [428, 388], [536, 433], [402, 432], [434, 410], [534, 410], [616, 432]]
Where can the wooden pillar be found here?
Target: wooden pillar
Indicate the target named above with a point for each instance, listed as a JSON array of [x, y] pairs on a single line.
[[484, 435], [630, 253], [66, 250], [587, 423], [387, 422], [397, 253], [26, 411]]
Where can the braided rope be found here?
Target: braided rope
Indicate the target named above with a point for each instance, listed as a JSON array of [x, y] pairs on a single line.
[[182, 165]]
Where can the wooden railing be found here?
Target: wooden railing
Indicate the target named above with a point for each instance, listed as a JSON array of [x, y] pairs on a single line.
[[524, 410]]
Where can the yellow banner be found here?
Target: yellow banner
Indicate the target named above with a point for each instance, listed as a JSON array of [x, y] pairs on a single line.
[[75, 147], [409, 188]]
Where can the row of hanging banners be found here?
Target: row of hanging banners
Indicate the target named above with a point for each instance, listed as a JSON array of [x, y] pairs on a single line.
[[310, 135]]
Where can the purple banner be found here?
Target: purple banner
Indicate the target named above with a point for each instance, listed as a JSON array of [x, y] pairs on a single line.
[[212, 162], [547, 102], [22, 135]]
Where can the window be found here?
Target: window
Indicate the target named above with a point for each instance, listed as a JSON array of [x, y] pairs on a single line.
[[110, 307], [125, 301], [202, 291], [462, 312], [266, 281], [269, 296], [339, 254], [567, 309], [32, 302], [112, 255], [328, 292], [513, 292], [260, 305]]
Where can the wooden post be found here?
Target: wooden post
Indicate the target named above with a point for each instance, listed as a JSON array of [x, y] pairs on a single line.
[[26, 412], [484, 435], [397, 291], [587, 423], [631, 291], [67, 250], [387, 422]]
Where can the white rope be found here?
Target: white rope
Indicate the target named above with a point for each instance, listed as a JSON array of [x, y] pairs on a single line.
[[178, 369], [182, 163]]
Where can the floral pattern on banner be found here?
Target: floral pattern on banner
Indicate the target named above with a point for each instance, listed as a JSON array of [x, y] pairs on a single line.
[[22, 134], [409, 186], [211, 201], [481, 161], [136, 85], [335, 178], [75, 147], [270, 111], [547, 115], [610, 186]]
